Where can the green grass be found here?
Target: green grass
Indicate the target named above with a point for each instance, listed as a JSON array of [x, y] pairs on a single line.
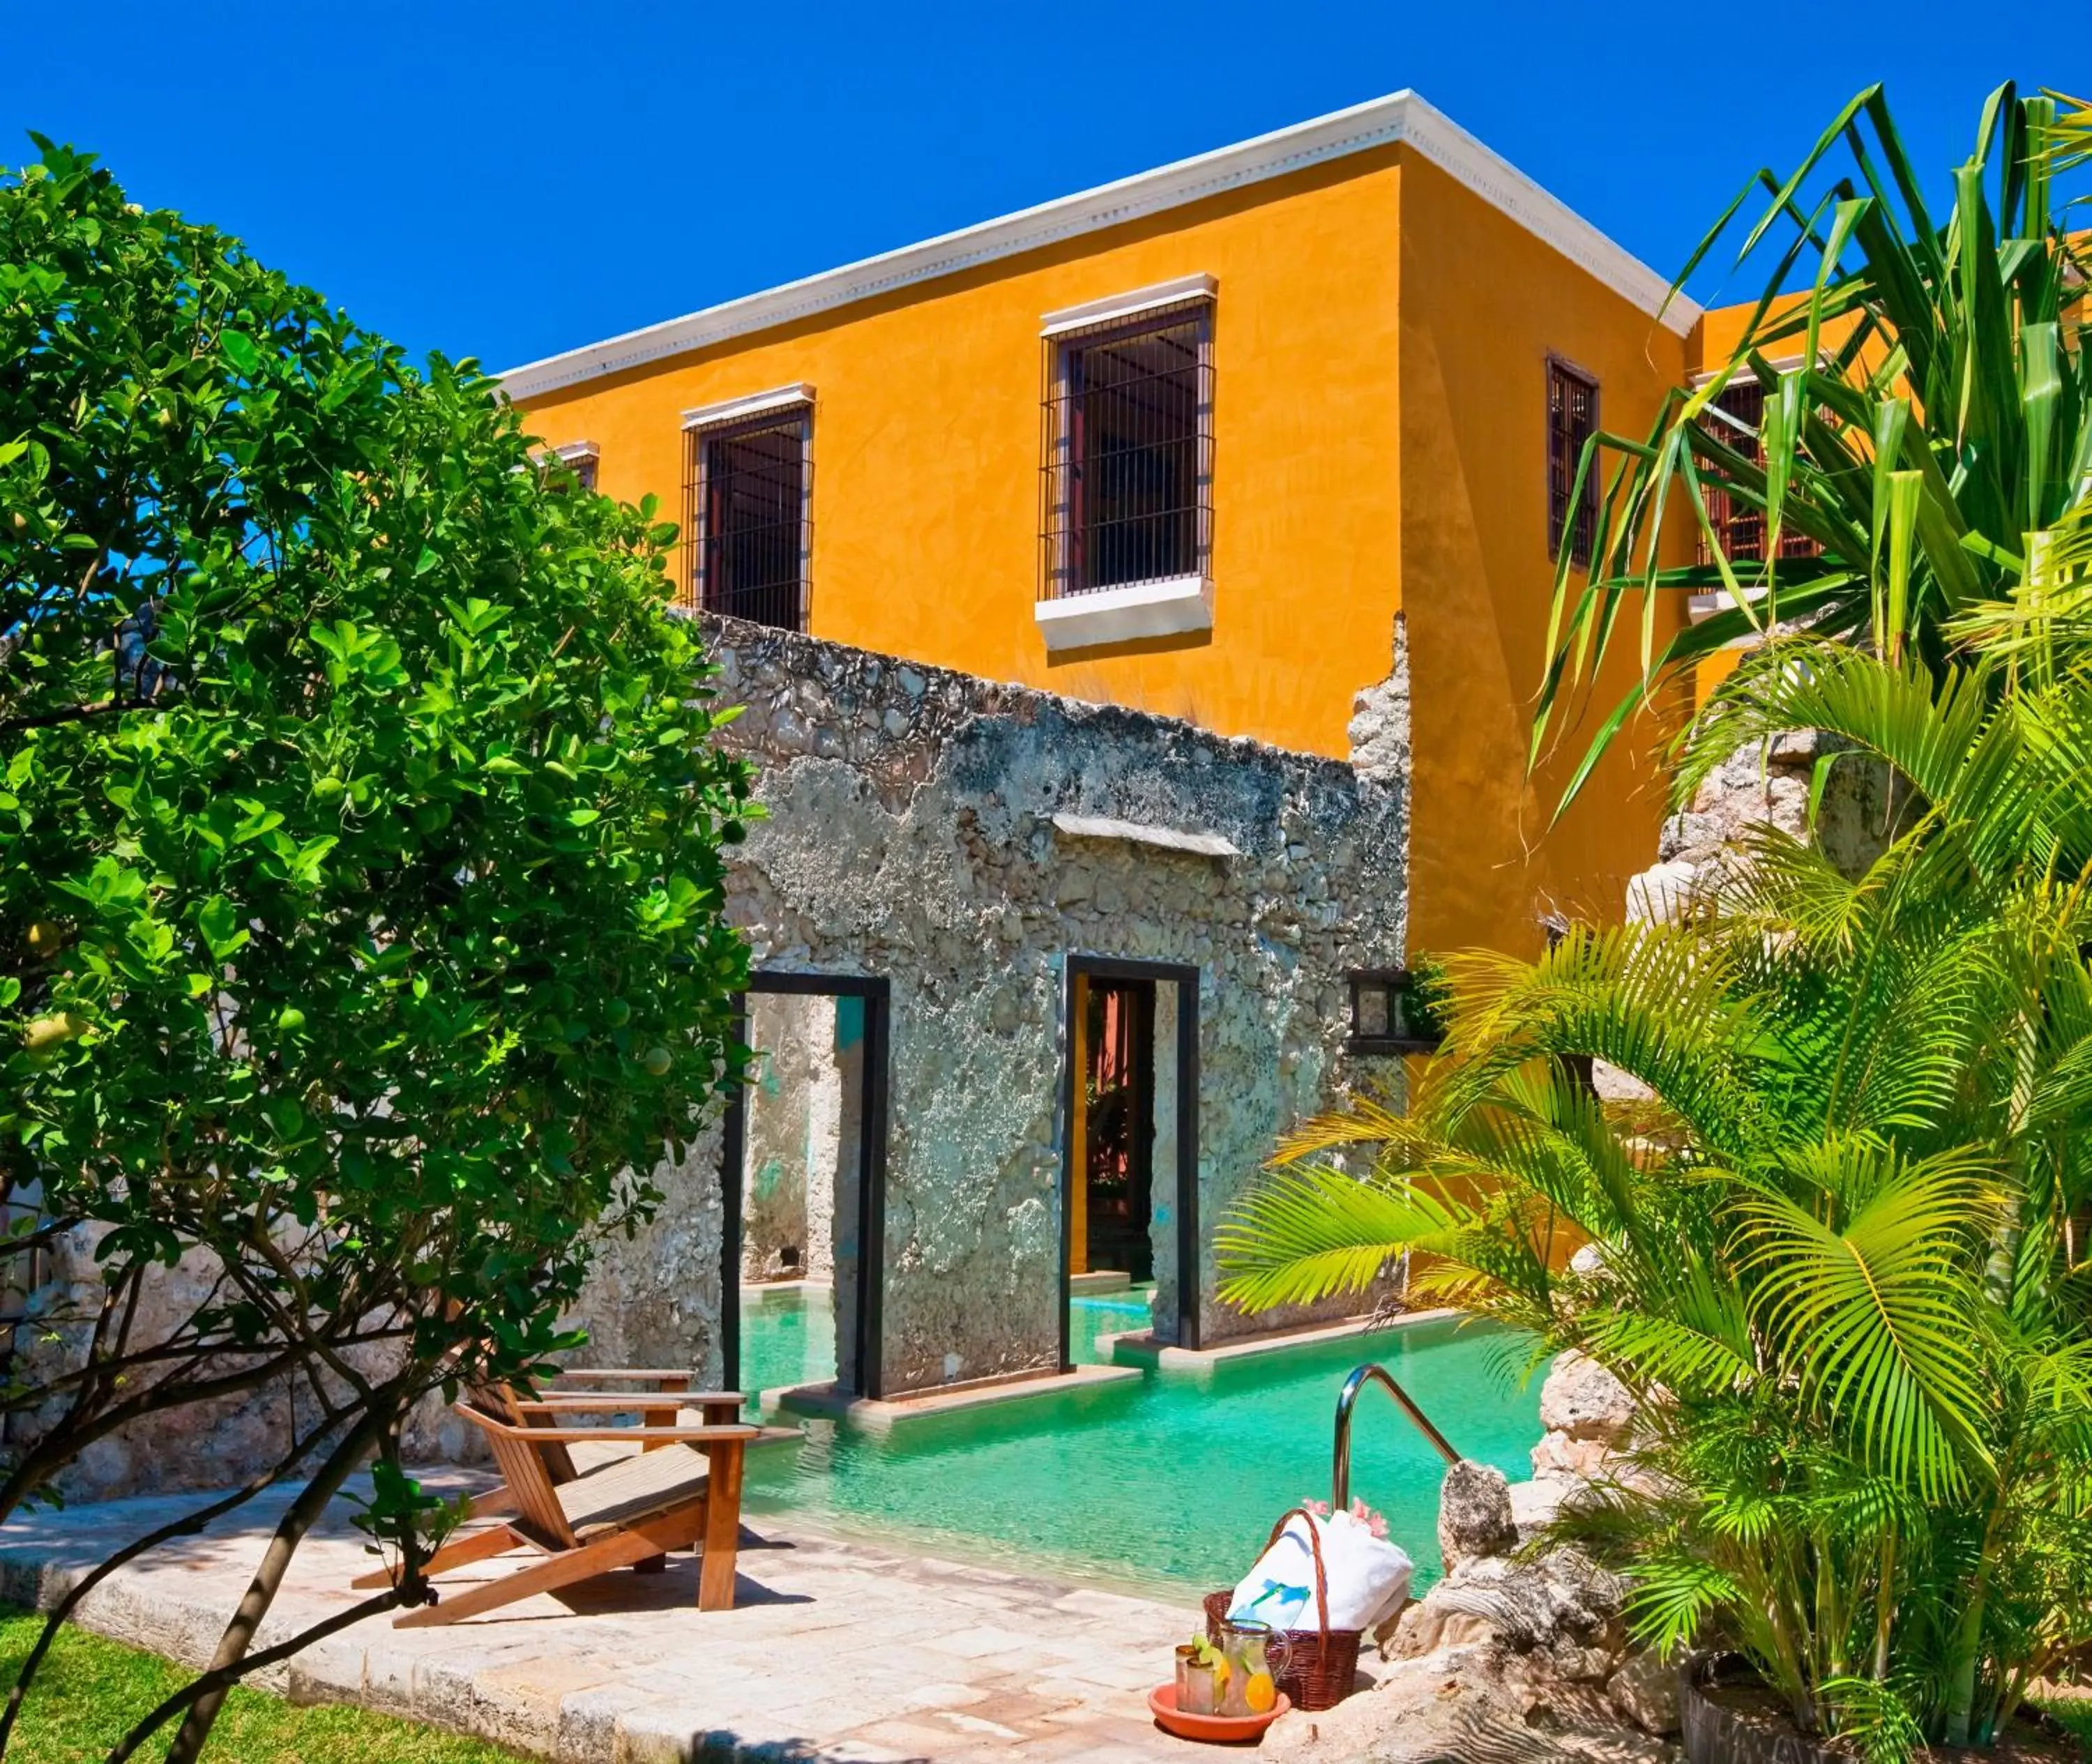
[[90, 1692]]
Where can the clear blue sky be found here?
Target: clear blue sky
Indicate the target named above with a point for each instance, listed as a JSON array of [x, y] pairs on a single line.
[[509, 180]]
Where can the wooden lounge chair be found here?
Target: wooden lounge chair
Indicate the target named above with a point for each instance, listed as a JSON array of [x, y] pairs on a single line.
[[575, 1389], [683, 1487]]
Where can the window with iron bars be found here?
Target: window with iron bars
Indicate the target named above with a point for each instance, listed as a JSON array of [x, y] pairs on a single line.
[[749, 493], [1741, 527], [1573, 419], [579, 458], [1127, 447]]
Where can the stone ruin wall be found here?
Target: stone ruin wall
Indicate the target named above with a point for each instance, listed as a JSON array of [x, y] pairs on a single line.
[[910, 835], [1766, 786]]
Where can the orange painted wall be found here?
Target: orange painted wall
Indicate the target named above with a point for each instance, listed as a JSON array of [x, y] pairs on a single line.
[[926, 455], [1381, 338], [1484, 303]]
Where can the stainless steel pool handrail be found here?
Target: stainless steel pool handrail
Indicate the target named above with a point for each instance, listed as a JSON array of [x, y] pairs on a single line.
[[1340, 1471]]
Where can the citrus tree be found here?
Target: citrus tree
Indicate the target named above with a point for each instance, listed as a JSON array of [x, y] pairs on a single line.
[[361, 943]]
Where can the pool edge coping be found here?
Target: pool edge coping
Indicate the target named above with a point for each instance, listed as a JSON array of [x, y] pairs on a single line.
[[823, 1401], [1138, 1349]]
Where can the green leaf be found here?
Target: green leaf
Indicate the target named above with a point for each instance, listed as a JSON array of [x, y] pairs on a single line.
[[218, 919], [240, 351]]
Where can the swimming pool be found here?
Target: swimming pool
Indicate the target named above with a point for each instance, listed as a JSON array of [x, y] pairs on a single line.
[[788, 1332], [1169, 1483]]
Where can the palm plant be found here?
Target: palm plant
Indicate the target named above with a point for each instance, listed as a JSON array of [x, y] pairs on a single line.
[[1926, 403], [1837, 1254]]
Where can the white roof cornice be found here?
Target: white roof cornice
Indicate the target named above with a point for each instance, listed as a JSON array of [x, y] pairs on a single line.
[[1402, 118]]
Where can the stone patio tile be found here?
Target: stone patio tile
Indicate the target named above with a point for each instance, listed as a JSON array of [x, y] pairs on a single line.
[[1086, 1744], [1117, 1607], [914, 1659], [840, 1711], [840, 1650], [910, 1737], [1125, 1672], [951, 1694], [974, 1644]]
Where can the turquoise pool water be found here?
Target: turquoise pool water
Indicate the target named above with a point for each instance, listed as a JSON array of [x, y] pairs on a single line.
[[784, 1340], [1169, 1483], [1091, 1315], [789, 1337]]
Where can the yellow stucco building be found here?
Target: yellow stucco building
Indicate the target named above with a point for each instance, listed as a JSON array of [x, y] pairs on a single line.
[[1195, 442]]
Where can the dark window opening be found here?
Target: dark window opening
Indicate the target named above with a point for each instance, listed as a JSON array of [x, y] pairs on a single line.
[[1740, 527], [1128, 449], [1573, 419], [749, 509], [584, 470]]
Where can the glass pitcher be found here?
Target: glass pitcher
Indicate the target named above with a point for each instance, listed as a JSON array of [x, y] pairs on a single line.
[[1249, 1689]]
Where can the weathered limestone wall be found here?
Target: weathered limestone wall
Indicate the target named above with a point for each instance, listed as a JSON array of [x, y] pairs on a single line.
[[1162, 1163], [911, 834], [660, 1306]]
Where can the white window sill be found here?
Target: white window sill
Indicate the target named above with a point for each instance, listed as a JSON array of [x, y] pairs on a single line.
[[1171, 607]]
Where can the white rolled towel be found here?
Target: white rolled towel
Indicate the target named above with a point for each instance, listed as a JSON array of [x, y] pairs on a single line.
[[1368, 1577]]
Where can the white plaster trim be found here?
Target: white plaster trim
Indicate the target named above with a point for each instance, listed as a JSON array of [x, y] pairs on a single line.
[[755, 404], [578, 450], [1402, 118], [1131, 305], [1140, 833], [1165, 608]]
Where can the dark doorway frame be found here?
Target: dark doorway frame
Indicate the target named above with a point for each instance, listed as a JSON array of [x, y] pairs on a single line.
[[1184, 976], [868, 1326]]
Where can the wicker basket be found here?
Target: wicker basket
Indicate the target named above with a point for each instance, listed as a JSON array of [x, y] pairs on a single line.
[[1315, 1667]]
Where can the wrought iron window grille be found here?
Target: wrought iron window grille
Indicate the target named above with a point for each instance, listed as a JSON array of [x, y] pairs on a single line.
[[1126, 452], [1573, 419], [748, 517], [1741, 528]]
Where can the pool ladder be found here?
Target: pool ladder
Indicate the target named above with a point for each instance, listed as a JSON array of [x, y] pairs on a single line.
[[1340, 1469]]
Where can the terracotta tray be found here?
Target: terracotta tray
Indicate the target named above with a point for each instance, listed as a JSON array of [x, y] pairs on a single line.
[[1220, 1729]]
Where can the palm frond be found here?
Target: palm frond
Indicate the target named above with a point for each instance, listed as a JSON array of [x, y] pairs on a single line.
[[1859, 1262], [1304, 1233]]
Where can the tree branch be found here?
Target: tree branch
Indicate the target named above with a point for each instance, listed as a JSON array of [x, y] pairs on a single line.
[[207, 1695], [189, 1525], [70, 713], [212, 1686]]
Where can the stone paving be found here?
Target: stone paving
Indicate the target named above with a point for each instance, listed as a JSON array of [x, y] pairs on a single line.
[[838, 1649]]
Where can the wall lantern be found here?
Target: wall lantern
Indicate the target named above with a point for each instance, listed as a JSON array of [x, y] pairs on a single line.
[[1389, 1014]]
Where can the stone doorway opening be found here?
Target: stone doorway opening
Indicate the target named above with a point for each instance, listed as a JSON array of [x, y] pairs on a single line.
[[1112, 1200], [1130, 1153], [803, 1183]]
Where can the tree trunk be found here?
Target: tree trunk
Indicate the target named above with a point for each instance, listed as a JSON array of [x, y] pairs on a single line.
[[262, 1590]]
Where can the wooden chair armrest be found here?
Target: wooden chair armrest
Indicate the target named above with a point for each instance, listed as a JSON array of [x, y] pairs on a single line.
[[689, 1435], [721, 1434], [625, 1374], [570, 1401]]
